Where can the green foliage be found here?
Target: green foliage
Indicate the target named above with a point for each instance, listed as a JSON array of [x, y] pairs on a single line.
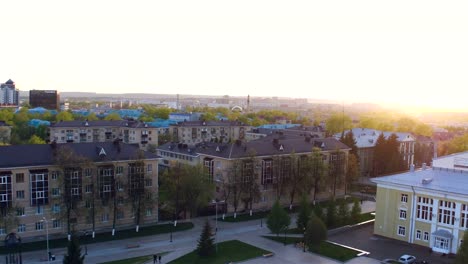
[[343, 212], [331, 214], [278, 220], [7, 115], [304, 213], [36, 140], [146, 118], [457, 144], [318, 211], [352, 171], [157, 112], [462, 253], [348, 140], [205, 245], [338, 122], [356, 212], [113, 117], [208, 116], [316, 231], [387, 157], [92, 117], [64, 116], [73, 255]]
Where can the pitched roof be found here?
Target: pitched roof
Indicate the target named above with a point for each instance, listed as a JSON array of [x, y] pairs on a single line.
[[366, 138], [210, 123], [100, 123], [42, 155], [267, 146]]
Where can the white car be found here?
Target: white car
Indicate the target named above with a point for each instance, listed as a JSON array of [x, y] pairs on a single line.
[[407, 259]]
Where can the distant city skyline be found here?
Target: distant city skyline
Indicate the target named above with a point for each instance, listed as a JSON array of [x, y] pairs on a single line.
[[411, 54]]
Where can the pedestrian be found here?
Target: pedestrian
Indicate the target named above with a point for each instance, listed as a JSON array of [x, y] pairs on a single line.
[[159, 258], [155, 258]]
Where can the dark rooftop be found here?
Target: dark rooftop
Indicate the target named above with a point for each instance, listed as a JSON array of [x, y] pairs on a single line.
[[43, 155], [100, 123]]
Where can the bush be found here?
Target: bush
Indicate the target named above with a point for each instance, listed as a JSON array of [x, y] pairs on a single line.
[[316, 231]]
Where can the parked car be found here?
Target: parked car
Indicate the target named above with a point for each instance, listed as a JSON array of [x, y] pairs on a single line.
[[407, 259]]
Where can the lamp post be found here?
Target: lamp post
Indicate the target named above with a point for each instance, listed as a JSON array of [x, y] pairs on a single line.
[[216, 222], [303, 240], [47, 237]]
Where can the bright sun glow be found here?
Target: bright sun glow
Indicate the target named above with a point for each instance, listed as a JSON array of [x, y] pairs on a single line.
[[411, 53]]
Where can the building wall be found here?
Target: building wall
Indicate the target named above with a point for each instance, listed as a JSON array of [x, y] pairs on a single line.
[[388, 219], [57, 221], [197, 134]]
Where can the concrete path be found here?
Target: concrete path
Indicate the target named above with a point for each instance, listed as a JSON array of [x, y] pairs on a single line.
[[186, 241]]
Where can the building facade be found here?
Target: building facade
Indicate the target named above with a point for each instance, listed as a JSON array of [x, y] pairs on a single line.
[[9, 95], [367, 138], [130, 132], [48, 99], [193, 132], [43, 187], [428, 207], [260, 158]]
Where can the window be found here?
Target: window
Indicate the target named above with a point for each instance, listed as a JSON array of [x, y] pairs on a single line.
[[119, 170], [148, 182], [88, 188], [149, 212], [75, 191], [442, 243], [464, 216], [120, 215], [106, 188], [55, 191], [424, 208], [120, 200], [20, 211], [54, 175], [21, 228], [19, 177], [20, 194], [402, 214], [75, 175], [401, 230], [39, 226], [404, 198], [446, 212], [426, 236], [105, 217], [119, 186], [149, 196], [56, 208], [88, 204], [88, 172], [56, 223], [149, 168], [39, 209], [2, 231], [418, 234]]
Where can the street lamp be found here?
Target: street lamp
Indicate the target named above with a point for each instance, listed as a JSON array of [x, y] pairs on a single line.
[[47, 237], [303, 240], [216, 221]]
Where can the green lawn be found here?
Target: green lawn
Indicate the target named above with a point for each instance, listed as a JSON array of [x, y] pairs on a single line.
[[103, 237], [233, 250], [325, 249]]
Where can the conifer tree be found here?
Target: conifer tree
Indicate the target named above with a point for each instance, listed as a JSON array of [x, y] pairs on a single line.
[[343, 212], [316, 231], [356, 212], [73, 255], [278, 220], [205, 246]]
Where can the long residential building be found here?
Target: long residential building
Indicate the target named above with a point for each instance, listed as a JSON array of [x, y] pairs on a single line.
[[192, 132], [428, 207], [261, 158], [367, 138], [35, 182], [129, 131]]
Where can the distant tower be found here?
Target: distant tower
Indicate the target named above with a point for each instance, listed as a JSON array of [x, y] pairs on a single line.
[[248, 103]]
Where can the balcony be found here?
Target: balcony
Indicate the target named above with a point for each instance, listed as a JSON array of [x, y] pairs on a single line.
[[144, 141]]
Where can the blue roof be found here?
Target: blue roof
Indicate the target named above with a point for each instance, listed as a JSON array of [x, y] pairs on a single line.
[[38, 122]]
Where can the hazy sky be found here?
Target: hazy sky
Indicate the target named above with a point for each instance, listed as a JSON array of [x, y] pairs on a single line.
[[406, 52]]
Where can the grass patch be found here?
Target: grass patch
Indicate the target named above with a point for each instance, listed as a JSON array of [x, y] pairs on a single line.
[[233, 250], [362, 218], [137, 260], [107, 236], [325, 249]]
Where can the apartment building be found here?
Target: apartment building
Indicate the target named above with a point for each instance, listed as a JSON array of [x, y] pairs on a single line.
[[428, 207], [129, 131], [35, 185], [268, 153], [9, 95], [192, 132], [48, 99], [367, 138]]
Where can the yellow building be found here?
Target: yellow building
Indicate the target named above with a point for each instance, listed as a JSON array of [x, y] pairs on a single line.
[[428, 207], [100, 187]]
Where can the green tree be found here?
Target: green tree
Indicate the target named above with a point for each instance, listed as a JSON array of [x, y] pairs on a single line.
[[317, 173], [113, 117], [338, 122], [352, 171], [394, 160], [318, 211], [380, 155], [278, 220], [92, 117], [304, 213], [64, 116], [316, 231], [208, 116], [348, 140], [205, 245], [73, 255], [343, 212], [356, 212], [462, 252], [36, 140], [457, 144], [331, 214]]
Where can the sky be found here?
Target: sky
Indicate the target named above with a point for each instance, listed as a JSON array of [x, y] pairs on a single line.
[[407, 53]]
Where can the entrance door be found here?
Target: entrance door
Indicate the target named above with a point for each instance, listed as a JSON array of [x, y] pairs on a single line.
[[441, 244]]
